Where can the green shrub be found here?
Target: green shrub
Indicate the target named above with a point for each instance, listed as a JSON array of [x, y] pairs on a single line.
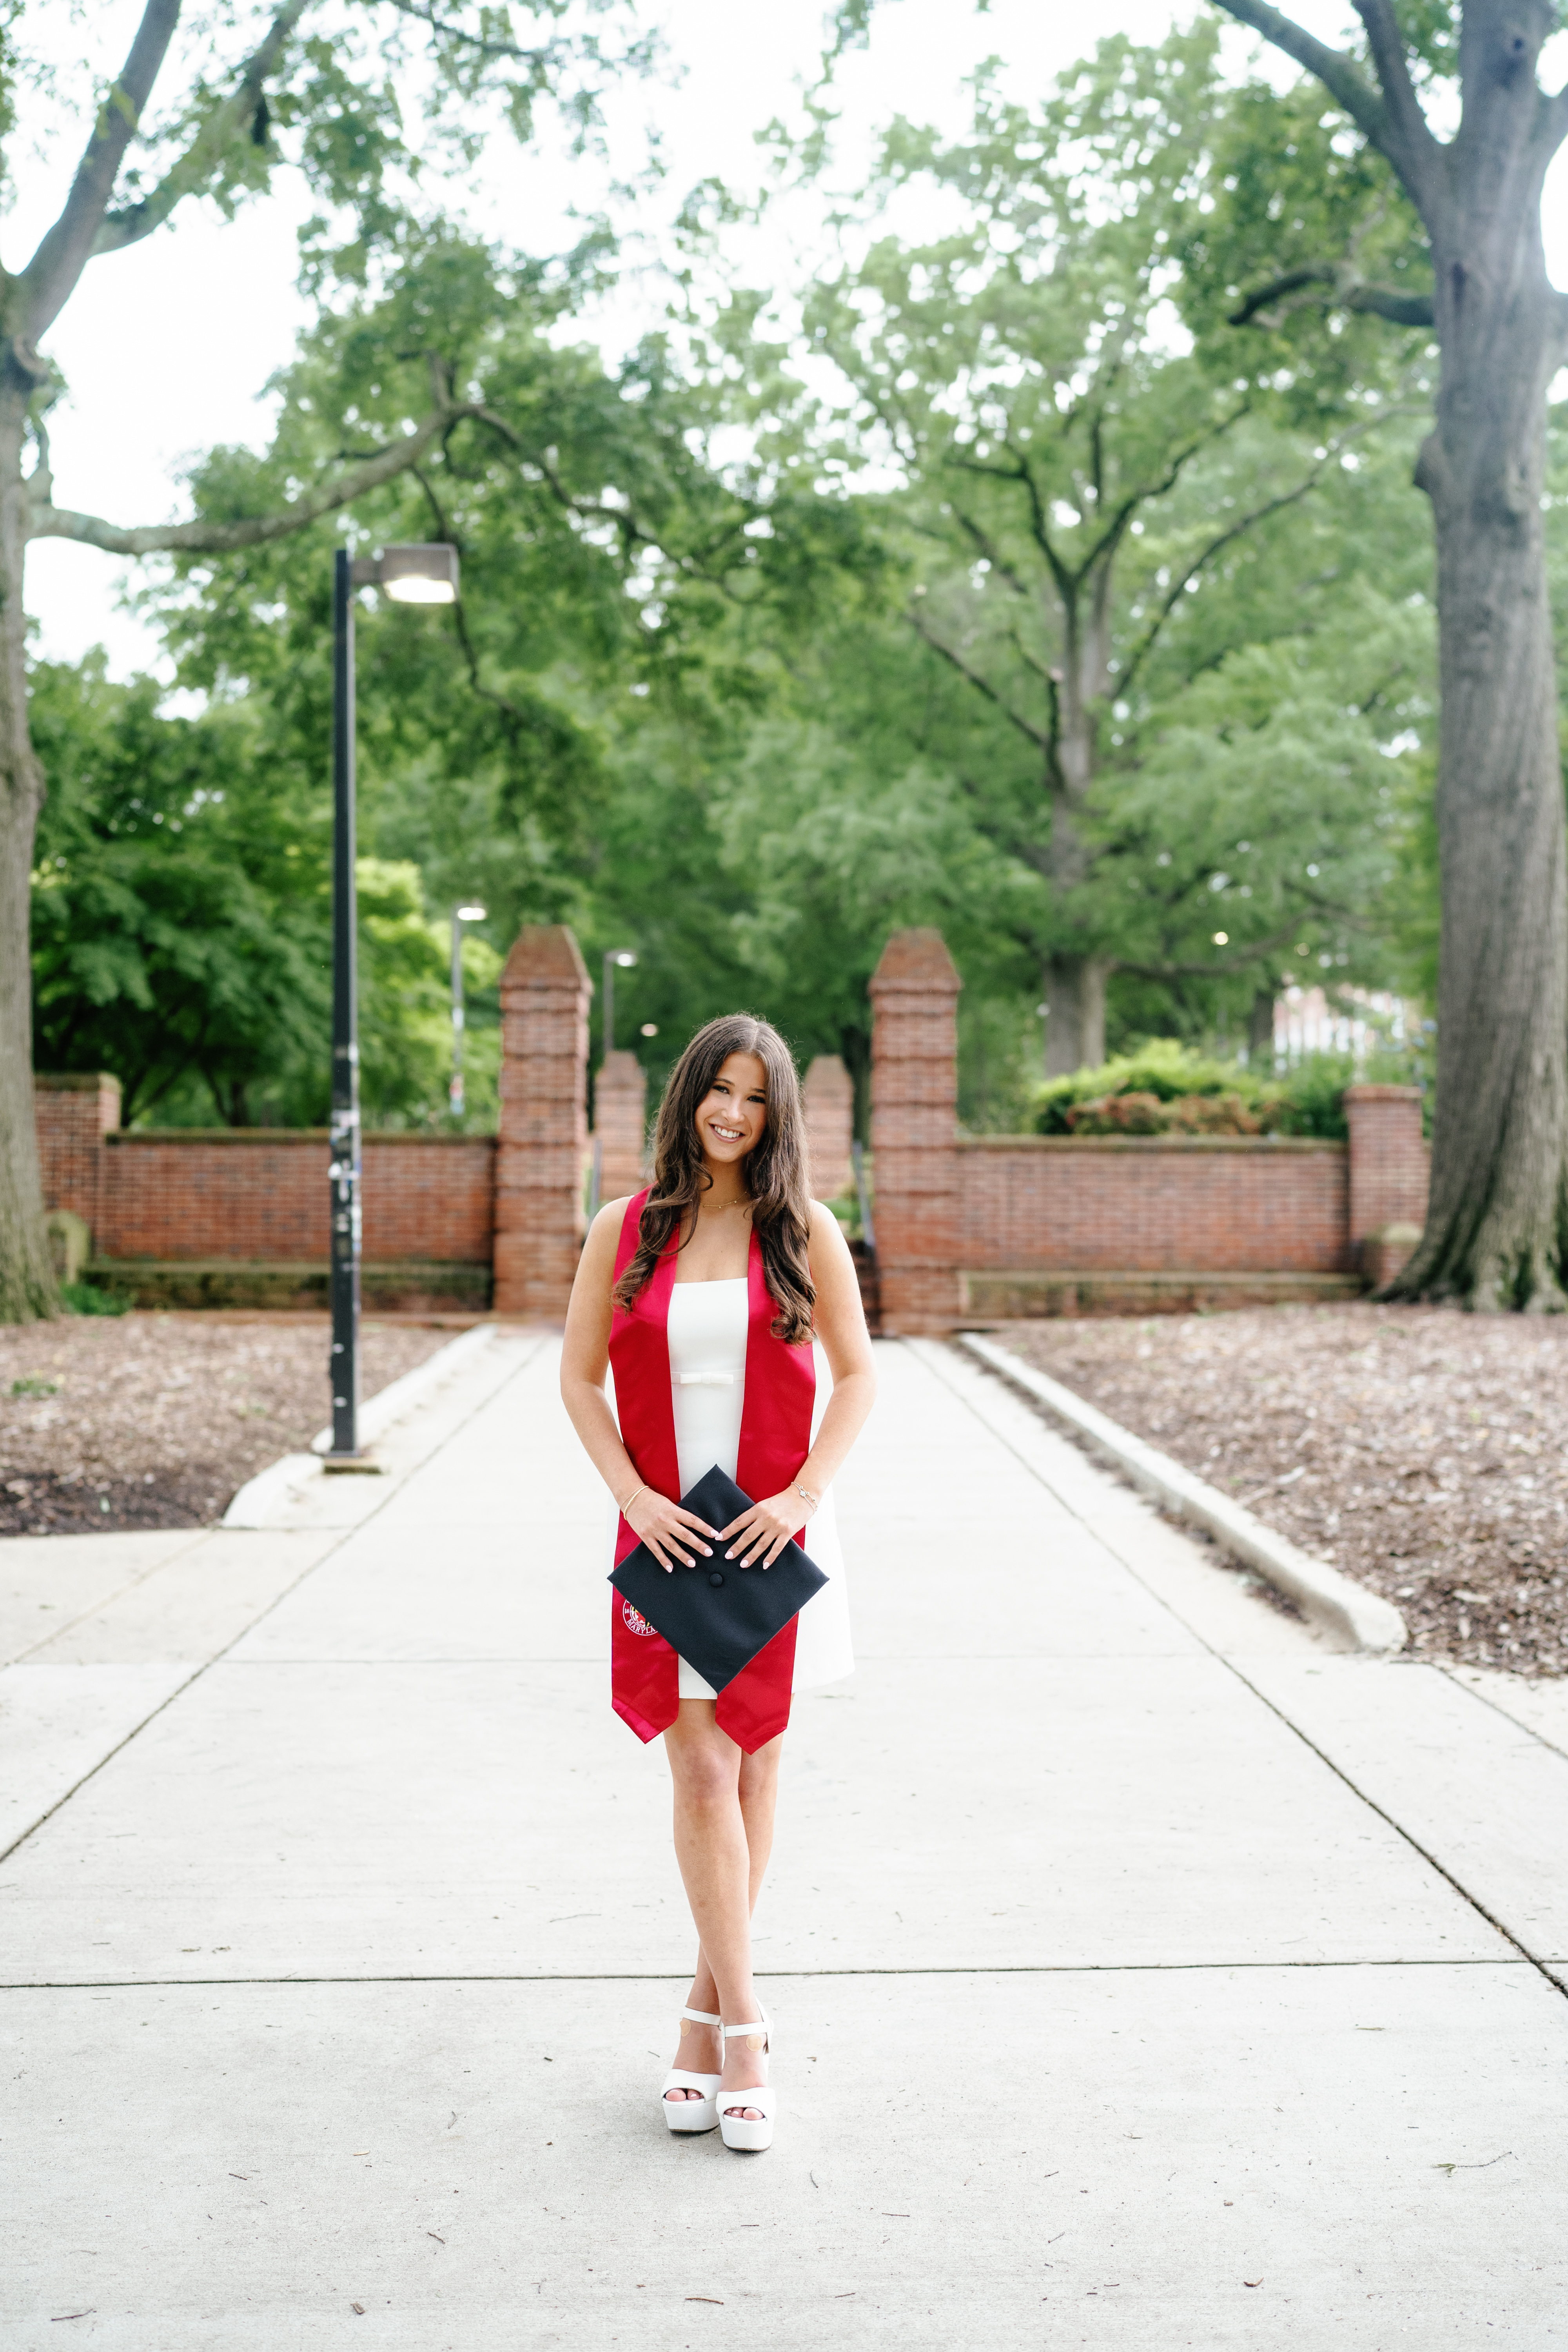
[[1310, 1099], [1167, 1088], [86, 1298], [1162, 1068]]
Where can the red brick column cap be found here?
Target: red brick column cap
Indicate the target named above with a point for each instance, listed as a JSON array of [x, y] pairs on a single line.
[[1361, 1092], [74, 1082], [917, 961], [545, 955]]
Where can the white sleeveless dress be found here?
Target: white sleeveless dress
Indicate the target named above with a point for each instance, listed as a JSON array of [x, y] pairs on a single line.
[[707, 1381]]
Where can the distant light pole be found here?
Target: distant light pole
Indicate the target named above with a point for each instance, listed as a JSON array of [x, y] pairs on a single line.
[[410, 576], [625, 959], [460, 915]]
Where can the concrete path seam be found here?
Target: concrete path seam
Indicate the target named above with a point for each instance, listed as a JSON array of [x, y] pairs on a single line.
[[1444, 1667], [207, 1665], [1342, 1607], [781, 1976], [1538, 1960], [931, 1353], [936, 1358], [197, 1535]]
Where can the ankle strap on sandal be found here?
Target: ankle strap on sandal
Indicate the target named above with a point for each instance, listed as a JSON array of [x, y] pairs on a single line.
[[701, 2017], [757, 2025]]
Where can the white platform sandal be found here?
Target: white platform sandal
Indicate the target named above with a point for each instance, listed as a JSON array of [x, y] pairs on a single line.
[[735, 2130], [701, 2113]]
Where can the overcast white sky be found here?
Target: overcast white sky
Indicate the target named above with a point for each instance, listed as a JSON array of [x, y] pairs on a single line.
[[155, 376]]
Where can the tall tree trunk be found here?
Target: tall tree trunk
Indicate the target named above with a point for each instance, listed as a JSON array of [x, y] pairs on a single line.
[[27, 1288], [1075, 981], [1260, 1026], [1075, 1013], [1497, 1226]]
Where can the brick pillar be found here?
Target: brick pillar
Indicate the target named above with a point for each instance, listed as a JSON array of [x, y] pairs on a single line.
[[1388, 1177], [914, 1104], [828, 1095], [620, 1123], [74, 1113], [544, 993]]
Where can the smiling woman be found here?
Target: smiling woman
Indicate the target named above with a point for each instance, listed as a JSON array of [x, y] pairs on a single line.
[[708, 1293]]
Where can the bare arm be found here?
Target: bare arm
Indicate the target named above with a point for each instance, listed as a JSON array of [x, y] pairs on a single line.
[[656, 1519], [841, 1327], [762, 1532]]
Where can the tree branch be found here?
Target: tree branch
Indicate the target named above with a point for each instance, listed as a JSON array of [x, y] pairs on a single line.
[[250, 531], [192, 169], [1248, 952], [1420, 162], [1113, 534], [1390, 117], [1042, 742], [1350, 293], [479, 42], [993, 555], [1178, 587], [1236, 530], [63, 251], [1032, 854], [1339, 74]]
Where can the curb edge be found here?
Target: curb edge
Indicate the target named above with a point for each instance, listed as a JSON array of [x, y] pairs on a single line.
[[1363, 1619]]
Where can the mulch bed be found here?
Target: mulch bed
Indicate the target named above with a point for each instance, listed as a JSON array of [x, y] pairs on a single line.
[[1422, 1450], [154, 1421]]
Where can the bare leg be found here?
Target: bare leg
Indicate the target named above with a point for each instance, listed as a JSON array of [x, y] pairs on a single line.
[[724, 1808]]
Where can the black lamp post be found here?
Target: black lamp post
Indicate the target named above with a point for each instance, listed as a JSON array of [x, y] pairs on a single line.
[[460, 915], [616, 959], [410, 576]]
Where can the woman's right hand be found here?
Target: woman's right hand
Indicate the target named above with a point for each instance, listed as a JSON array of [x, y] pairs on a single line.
[[665, 1528]]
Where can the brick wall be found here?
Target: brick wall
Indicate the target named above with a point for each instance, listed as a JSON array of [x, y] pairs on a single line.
[[620, 1119], [1155, 1204], [914, 1100], [946, 1207], [1389, 1160], [74, 1113], [544, 996], [829, 1098], [256, 1194]]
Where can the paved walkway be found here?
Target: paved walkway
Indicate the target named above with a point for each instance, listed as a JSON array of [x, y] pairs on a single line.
[[1145, 1975]]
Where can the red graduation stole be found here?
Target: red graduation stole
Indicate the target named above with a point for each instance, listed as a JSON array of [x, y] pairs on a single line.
[[775, 1438]]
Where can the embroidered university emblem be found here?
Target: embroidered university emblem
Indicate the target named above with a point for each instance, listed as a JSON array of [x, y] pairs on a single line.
[[636, 1622]]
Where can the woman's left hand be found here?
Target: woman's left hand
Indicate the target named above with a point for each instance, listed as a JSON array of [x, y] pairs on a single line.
[[760, 1533]]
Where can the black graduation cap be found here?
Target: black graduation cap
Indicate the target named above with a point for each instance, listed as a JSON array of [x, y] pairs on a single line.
[[716, 1614]]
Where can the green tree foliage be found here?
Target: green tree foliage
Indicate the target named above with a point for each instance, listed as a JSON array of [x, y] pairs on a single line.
[[748, 717], [178, 902], [1097, 526], [182, 925]]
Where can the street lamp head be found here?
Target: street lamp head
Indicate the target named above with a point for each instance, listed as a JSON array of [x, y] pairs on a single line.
[[624, 957], [470, 914], [419, 575]]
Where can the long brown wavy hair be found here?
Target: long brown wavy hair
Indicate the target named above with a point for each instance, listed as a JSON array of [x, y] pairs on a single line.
[[775, 1172]]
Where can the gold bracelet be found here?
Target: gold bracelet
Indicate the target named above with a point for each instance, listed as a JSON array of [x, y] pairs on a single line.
[[813, 1500], [631, 1499]]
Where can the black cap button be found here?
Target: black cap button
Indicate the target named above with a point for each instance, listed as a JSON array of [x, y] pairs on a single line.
[[717, 1578]]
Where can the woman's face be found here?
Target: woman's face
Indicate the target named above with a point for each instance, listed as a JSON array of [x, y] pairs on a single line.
[[732, 1116]]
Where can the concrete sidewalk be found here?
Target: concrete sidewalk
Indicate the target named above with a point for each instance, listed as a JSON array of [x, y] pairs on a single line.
[[1181, 1982]]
